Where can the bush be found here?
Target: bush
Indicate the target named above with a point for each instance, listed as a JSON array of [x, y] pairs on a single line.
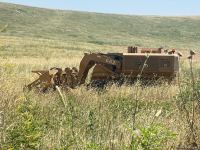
[[26, 131], [152, 137]]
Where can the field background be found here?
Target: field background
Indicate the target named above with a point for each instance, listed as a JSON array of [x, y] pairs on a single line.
[[35, 38]]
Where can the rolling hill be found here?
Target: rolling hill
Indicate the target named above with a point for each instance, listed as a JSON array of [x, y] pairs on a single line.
[[99, 29]]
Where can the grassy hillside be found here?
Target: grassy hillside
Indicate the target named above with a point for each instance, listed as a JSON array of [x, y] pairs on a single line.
[[102, 29], [156, 117]]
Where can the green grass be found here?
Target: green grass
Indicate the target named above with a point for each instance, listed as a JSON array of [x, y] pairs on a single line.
[[35, 38], [100, 29]]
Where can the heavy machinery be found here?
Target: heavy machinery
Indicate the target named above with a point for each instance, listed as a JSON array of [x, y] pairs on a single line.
[[147, 64]]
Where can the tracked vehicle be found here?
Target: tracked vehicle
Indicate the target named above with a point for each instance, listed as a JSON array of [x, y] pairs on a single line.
[[142, 63]]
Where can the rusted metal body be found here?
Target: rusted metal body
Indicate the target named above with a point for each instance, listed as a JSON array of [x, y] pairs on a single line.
[[149, 63], [49, 79], [152, 65]]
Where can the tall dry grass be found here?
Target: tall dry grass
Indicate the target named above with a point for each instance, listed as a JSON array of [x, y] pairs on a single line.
[[125, 117]]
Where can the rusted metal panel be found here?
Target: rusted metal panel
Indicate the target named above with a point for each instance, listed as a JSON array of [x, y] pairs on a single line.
[[148, 63]]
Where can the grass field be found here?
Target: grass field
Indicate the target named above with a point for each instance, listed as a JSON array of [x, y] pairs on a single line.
[[127, 117]]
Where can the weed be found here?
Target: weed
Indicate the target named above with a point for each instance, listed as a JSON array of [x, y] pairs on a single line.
[[26, 130], [151, 137]]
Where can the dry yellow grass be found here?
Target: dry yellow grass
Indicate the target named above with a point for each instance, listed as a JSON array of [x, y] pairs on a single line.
[[90, 119]]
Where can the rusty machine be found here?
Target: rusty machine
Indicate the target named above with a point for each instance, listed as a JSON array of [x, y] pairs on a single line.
[[142, 63]]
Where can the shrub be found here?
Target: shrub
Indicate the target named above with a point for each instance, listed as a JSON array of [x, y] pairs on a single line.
[[152, 137], [26, 131]]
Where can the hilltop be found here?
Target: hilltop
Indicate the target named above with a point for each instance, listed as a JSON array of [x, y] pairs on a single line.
[[99, 29]]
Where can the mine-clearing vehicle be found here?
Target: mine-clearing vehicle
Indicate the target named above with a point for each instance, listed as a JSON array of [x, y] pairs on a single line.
[[137, 63]]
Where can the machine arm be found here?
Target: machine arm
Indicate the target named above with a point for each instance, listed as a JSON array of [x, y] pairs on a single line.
[[89, 60]]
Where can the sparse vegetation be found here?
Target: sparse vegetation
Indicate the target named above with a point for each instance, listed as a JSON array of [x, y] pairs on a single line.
[[88, 119]]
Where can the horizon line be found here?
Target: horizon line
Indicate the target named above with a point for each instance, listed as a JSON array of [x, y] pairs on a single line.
[[106, 13]]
